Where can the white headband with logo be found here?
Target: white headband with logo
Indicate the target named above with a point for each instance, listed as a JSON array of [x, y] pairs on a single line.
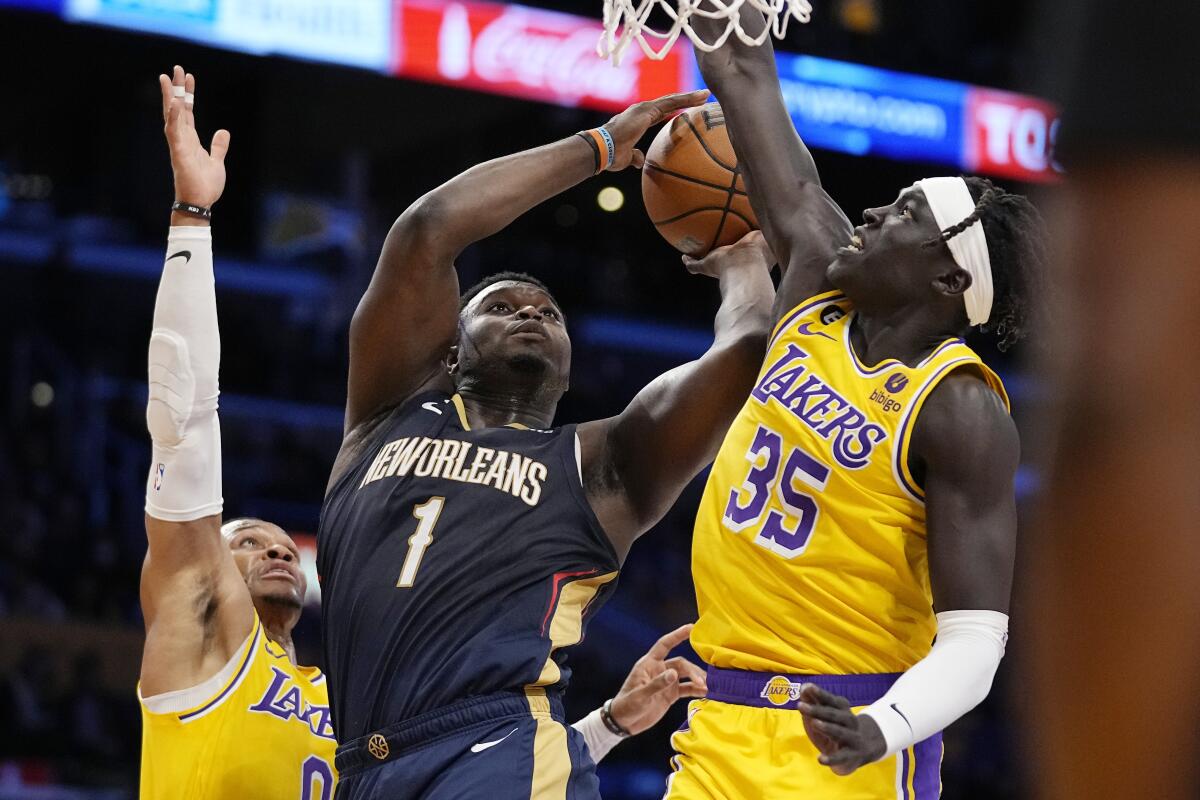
[[951, 202]]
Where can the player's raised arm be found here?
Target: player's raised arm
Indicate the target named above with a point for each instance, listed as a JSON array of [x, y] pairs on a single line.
[[802, 224], [196, 606], [636, 464], [405, 324]]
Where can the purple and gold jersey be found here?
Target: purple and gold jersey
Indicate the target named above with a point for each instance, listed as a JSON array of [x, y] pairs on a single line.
[[259, 728], [809, 553]]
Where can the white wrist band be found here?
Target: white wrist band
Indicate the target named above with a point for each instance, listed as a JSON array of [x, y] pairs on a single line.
[[598, 737], [950, 681], [184, 356]]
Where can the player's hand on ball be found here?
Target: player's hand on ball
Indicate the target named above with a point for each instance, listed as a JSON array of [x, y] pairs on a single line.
[[656, 682], [631, 124], [199, 174], [846, 740], [751, 251]]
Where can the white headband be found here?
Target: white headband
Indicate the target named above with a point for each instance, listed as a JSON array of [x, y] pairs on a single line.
[[951, 202]]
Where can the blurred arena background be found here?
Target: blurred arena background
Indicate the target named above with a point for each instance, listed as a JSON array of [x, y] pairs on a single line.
[[342, 113]]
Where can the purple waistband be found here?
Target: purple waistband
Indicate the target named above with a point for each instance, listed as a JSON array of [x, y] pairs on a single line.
[[779, 690]]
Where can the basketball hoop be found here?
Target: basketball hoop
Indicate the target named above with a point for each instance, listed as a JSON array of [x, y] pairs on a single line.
[[625, 20]]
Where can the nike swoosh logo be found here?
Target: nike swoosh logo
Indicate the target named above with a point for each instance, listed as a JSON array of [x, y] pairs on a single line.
[[186, 254], [431, 407], [479, 748], [806, 330]]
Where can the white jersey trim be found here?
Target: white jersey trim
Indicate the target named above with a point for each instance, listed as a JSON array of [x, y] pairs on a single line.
[[181, 700]]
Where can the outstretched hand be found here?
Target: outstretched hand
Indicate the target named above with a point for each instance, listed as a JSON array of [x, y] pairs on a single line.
[[749, 251], [631, 124], [846, 740], [199, 174], [656, 682]]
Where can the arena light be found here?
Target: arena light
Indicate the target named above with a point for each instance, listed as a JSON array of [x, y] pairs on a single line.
[[610, 199], [41, 394]]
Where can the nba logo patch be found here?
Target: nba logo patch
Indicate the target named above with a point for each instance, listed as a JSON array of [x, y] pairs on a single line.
[[158, 476]]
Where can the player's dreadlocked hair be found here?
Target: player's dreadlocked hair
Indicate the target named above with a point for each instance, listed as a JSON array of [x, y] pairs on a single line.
[[1016, 240], [507, 275]]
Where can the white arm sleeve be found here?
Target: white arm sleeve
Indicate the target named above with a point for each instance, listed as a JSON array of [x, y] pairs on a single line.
[[598, 737], [950, 681], [181, 413]]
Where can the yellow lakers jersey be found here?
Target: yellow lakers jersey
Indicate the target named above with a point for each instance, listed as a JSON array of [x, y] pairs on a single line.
[[809, 551], [259, 729]]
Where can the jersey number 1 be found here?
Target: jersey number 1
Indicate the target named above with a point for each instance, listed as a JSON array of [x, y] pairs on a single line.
[[427, 514], [784, 534]]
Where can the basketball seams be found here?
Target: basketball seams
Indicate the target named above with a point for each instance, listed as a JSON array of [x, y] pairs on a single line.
[[724, 212], [704, 144], [694, 195], [691, 179]]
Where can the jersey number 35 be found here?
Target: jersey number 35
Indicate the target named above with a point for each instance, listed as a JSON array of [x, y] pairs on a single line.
[[785, 532]]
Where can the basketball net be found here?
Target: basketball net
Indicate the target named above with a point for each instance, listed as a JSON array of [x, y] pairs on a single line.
[[625, 20]]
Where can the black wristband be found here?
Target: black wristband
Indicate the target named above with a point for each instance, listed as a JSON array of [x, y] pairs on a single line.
[[610, 722], [591, 142], [191, 210]]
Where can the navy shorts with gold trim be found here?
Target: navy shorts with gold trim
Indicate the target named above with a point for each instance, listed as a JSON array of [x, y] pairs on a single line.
[[501, 746]]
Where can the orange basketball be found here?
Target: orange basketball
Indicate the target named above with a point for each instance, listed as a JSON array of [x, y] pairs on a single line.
[[691, 184]]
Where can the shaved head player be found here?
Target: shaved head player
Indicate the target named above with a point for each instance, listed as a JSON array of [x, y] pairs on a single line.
[[465, 541], [863, 502]]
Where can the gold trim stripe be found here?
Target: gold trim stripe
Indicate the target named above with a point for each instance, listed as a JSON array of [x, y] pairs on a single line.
[[551, 757], [566, 626]]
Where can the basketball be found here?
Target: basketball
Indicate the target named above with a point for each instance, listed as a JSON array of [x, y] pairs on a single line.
[[691, 185]]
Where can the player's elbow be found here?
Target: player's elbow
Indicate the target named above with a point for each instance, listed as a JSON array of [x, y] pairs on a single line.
[[732, 65], [423, 219]]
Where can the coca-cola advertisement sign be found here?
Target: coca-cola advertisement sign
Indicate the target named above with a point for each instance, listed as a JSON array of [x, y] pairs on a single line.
[[525, 52]]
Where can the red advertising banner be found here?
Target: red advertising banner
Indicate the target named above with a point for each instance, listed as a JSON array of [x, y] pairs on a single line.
[[525, 52], [1010, 135]]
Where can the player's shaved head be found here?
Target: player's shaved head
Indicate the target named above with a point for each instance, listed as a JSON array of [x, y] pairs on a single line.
[[231, 528]]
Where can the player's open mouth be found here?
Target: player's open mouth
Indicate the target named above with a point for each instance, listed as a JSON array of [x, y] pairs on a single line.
[[855, 246]]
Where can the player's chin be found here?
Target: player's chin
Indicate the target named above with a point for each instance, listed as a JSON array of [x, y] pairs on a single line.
[[839, 272], [278, 591], [529, 358]]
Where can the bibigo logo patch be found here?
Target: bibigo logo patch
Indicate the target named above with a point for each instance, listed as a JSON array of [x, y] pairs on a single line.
[[780, 691]]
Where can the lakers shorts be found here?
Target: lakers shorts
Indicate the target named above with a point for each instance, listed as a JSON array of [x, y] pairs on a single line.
[[746, 740], [504, 746]]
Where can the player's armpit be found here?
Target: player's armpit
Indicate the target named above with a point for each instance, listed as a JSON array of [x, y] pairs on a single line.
[[636, 464], [195, 603], [966, 448]]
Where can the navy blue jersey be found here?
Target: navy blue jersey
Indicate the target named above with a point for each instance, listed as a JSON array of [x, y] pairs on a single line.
[[454, 562]]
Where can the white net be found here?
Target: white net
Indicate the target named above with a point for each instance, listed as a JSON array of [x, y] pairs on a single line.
[[626, 20]]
